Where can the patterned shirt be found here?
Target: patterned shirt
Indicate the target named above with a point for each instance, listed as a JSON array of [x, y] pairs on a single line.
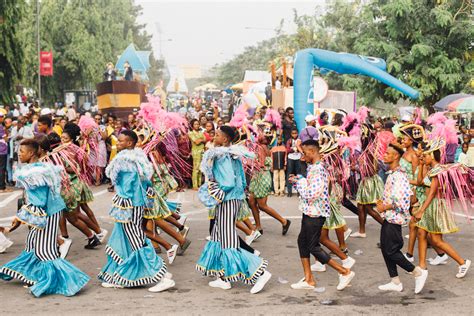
[[397, 194], [314, 191]]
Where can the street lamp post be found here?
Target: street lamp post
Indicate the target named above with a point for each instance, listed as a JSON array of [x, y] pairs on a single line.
[[38, 49]]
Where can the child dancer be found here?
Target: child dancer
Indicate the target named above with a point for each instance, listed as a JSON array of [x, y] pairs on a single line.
[[131, 259], [39, 265]]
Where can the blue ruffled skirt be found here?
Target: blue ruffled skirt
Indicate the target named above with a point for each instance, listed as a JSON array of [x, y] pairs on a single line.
[[130, 268], [231, 264], [175, 207], [45, 277]]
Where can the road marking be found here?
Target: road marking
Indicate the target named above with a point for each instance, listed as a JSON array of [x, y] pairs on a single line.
[[7, 219], [10, 198], [100, 193]]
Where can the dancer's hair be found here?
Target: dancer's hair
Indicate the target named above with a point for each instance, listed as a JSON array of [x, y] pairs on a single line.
[[32, 144], [131, 135]]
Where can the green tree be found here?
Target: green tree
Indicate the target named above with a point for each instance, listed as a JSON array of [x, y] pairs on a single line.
[[84, 35], [427, 44], [11, 52]]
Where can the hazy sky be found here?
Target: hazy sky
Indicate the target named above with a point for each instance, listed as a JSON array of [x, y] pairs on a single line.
[[210, 32]]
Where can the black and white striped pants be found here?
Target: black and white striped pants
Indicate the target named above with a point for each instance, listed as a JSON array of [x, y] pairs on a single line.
[[134, 229], [224, 230], [44, 241]]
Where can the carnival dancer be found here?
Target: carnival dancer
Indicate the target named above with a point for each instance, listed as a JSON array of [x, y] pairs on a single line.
[[314, 204], [413, 135], [370, 188], [77, 193], [39, 265], [394, 208], [261, 186], [434, 218], [131, 259], [338, 174], [222, 256]]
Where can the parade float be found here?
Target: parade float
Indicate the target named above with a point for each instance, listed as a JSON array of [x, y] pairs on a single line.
[[121, 97]]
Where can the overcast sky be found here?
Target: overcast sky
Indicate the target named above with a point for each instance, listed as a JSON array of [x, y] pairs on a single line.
[[210, 32]]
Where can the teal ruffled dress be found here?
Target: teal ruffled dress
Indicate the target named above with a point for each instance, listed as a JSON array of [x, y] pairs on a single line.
[[130, 172], [41, 182], [222, 256]]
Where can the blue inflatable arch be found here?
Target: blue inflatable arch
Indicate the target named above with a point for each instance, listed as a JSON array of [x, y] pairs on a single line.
[[343, 63]]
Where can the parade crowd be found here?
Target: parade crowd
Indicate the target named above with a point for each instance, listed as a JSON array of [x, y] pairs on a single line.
[[402, 171]]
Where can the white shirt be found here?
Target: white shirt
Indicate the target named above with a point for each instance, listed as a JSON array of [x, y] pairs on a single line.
[[278, 84]]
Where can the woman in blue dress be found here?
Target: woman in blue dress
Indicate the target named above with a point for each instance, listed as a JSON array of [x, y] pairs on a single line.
[[39, 265], [222, 256], [131, 258]]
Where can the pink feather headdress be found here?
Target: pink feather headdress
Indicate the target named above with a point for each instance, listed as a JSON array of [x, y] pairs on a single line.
[[87, 123], [160, 120], [239, 119], [442, 127], [273, 117]]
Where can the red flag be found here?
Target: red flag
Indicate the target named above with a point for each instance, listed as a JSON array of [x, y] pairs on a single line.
[[46, 63]]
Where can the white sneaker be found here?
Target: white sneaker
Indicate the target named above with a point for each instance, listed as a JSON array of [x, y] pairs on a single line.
[[411, 259], [260, 284], [182, 220], [6, 243], [257, 235], [221, 284], [185, 232], [111, 286], [102, 235], [358, 235], [318, 267], [64, 248], [171, 253], [463, 269], [302, 285], [256, 252], [208, 238], [345, 280], [347, 233], [348, 262], [163, 285], [420, 281], [438, 260], [253, 236], [168, 275], [391, 287]]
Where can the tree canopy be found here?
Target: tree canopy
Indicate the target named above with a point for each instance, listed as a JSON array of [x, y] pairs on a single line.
[[427, 44], [82, 34]]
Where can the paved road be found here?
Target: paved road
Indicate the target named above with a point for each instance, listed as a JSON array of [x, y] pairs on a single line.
[[443, 294]]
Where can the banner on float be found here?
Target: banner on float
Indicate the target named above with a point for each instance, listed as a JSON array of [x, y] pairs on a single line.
[[46, 63]]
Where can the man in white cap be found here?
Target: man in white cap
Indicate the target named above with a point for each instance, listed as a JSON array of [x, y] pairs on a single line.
[[310, 131]]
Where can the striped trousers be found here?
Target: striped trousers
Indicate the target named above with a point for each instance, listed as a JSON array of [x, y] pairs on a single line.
[[44, 241], [224, 230], [134, 229]]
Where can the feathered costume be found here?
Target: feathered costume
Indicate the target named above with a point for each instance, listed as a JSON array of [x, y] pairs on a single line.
[[131, 258], [222, 256], [454, 181], [40, 265]]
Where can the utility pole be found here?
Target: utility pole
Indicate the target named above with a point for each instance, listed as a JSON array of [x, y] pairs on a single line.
[[38, 48]]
